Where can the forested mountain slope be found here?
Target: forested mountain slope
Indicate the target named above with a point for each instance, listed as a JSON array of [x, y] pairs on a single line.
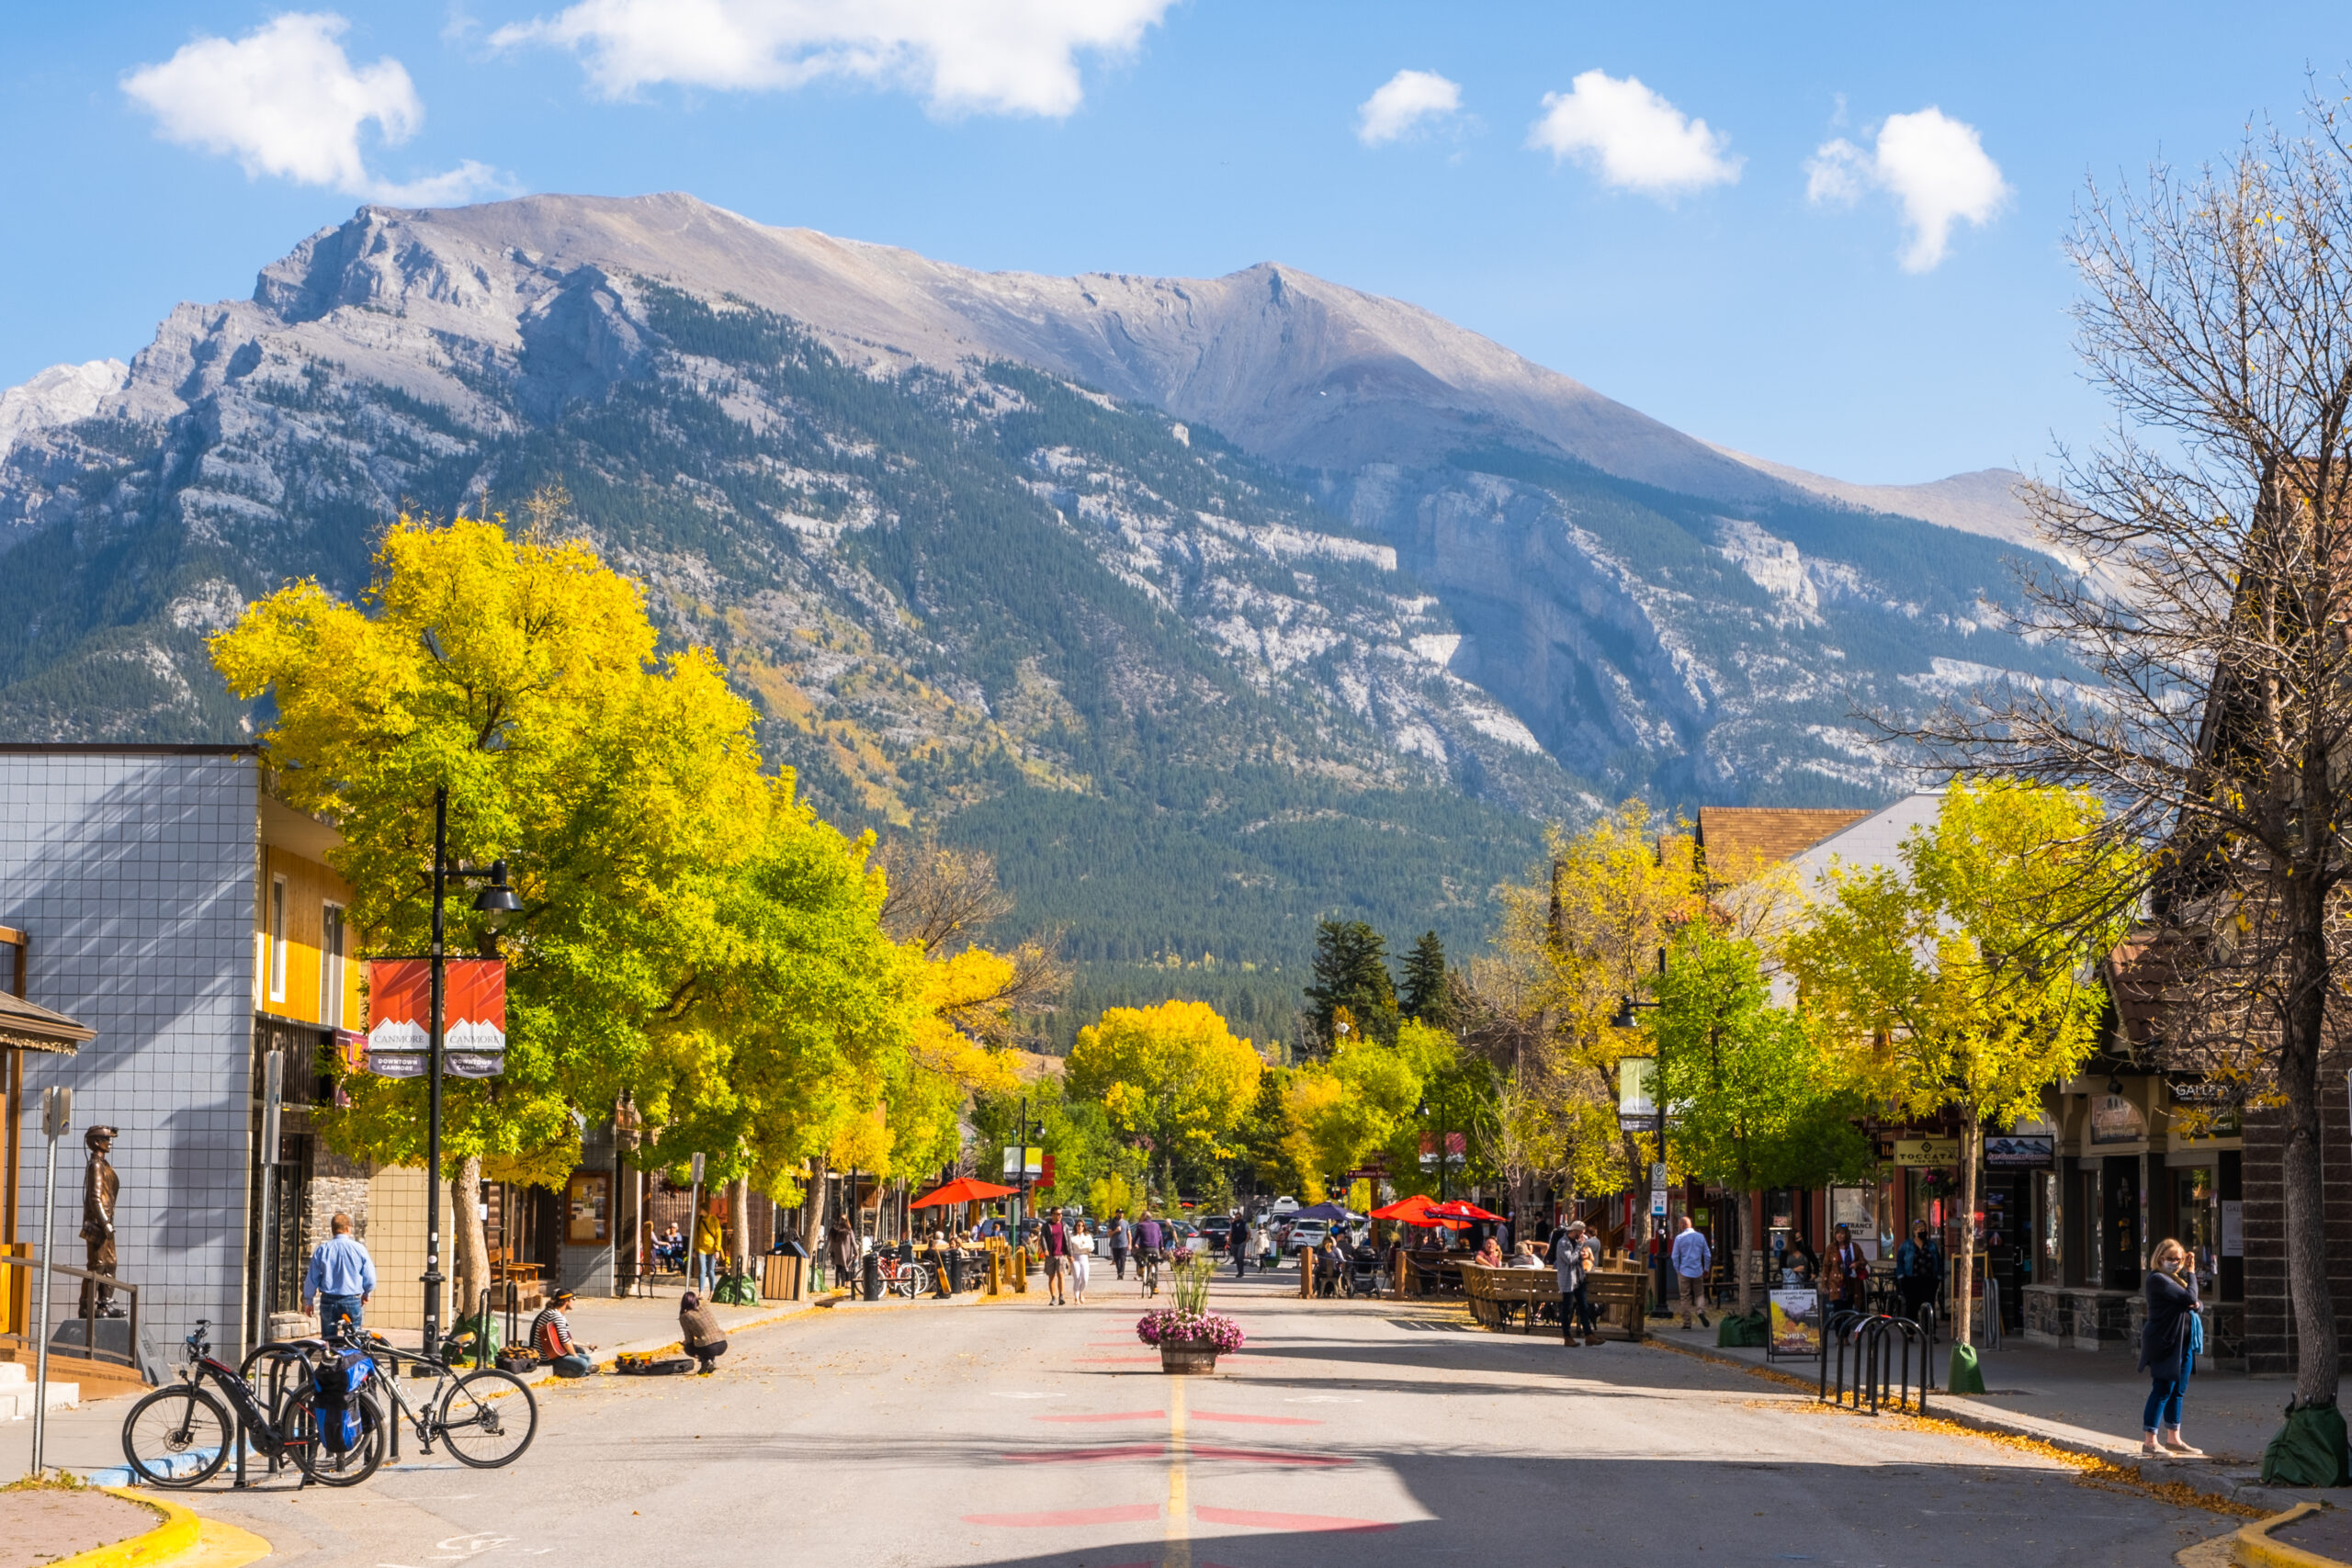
[[1211, 607]]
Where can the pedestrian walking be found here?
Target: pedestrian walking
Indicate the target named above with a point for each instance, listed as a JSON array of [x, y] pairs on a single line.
[[2168, 1350], [551, 1338], [341, 1278], [1692, 1257], [842, 1252], [1122, 1238], [711, 1240], [1053, 1241], [1918, 1271], [1844, 1272], [1573, 1260], [699, 1332], [1237, 1241], [1261, 1242], [1082, 1261]]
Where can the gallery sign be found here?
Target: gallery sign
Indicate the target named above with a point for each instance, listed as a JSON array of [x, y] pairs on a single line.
[[473, 1016], [2017, 1150]]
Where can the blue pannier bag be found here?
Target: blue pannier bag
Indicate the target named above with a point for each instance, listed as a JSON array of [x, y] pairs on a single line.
[[336, 1383]]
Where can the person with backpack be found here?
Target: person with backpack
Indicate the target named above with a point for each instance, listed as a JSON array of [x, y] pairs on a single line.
[[699, 1332], [551, 1338], [1237, 1241], [1122, 1237], [341, 1278], [1053, 1240]]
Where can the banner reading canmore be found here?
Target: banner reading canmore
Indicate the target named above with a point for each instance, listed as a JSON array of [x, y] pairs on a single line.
[[473, 1015]]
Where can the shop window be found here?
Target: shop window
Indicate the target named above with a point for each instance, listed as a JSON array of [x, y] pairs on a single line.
[[277, 939], [331, 960]]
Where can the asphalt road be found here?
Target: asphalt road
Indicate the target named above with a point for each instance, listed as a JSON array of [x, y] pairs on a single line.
[[1363, 1434]]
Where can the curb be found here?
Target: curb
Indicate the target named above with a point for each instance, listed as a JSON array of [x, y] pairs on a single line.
[[2254, 1547], [1962, 1412], [176, 1535]]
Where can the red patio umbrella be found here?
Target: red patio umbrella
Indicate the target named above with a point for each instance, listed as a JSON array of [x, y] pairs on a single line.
[[1458, 1210], [963, 1190], [1416, 1211]]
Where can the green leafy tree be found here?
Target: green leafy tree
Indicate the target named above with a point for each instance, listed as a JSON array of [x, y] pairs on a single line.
[[1350, 978], [1425, 994], [1757, 1102], [1961, 979]]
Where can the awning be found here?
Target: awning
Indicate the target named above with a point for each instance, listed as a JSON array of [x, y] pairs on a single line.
[[28, 1026]]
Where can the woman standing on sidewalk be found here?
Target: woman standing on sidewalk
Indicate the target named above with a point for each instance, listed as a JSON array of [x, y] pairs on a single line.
[[1082, 1261], [2166, 1350]]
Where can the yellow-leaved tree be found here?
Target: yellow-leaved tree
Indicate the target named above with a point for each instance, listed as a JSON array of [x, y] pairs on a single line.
[[690, 935], [1173, 1079], [1961, 979]]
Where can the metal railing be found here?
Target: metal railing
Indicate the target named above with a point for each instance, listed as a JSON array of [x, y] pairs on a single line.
[[90, 1349]]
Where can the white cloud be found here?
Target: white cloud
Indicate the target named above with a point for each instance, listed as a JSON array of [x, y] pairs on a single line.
[[1634, 137], [997, 56], [1935, 166], [287, 101], [1404, 104]]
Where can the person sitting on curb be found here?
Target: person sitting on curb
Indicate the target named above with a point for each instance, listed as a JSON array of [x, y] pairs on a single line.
[[698, 1330], [551, 1337]]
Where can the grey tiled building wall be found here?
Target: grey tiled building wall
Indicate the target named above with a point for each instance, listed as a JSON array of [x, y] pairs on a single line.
[[134, 876]]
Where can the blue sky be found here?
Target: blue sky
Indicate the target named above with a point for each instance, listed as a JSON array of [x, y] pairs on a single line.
[[1769, 278]]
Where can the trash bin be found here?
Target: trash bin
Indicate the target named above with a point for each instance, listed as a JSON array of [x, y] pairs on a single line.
[[873, 1279]]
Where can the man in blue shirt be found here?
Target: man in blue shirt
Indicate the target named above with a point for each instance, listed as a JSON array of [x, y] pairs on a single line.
[[1692, 1257], [341, 1278]]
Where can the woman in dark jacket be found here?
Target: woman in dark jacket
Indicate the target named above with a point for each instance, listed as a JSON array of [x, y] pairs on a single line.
[[2164, 1349], [698, 1330]]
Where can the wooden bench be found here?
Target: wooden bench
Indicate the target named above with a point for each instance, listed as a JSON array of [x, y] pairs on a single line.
[[1496, 1294]]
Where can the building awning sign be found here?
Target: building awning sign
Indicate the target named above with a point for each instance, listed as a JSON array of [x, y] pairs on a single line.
[[2115, 1120], [400, 1017], [1927, 1150], [2017, 1150]]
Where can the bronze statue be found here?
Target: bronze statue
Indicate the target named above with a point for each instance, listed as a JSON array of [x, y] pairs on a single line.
[[99, 1185]]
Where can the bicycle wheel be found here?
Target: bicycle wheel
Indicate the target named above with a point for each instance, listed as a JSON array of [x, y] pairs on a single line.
[[914, 1280], [488, 1418], [326, 1466], [177, 1437]]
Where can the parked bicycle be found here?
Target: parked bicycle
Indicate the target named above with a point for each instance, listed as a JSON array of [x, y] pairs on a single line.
[[485, 1416], [904, 1277], [181, 1436]]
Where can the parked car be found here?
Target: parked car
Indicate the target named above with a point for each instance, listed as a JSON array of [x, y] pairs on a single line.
[[1303, 1235], [1284, 1205], [1218, 1228]]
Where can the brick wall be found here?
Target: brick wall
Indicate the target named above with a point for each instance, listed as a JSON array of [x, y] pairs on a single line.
[[133, 875], [2269, 1325]]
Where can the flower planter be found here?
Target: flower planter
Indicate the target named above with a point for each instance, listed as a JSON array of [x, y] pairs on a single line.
[[1183, 1360]]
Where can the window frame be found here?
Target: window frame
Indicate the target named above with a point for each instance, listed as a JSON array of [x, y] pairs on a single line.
[[334, 945], [275, 979]]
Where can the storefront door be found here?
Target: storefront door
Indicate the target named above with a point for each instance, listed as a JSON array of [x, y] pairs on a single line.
[[2119, 1222]]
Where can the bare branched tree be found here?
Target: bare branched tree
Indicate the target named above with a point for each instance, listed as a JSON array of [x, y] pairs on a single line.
[[2210, 540], [944, 899]]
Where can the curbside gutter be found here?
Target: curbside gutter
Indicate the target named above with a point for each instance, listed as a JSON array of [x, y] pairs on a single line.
[[176, 1534], [2252, 1548]]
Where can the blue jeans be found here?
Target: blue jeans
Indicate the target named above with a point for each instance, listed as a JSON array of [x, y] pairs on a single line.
[[2163, 1409], [334, 1309], [707, 1271]]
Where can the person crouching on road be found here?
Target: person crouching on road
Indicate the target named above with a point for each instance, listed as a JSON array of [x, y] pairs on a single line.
[[341, 1279], [551, 1337], [698, 1330], [1692, 1257]]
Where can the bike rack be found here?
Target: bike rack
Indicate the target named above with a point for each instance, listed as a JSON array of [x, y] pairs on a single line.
[[1882, 1368]]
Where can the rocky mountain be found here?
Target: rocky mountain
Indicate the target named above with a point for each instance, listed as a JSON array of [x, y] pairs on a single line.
[[1211, 604]]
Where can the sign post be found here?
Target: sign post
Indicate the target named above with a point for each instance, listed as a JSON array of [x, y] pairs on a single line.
[[56, 1121]]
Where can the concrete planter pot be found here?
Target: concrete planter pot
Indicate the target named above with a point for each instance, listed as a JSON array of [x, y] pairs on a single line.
[[1187, 1360]]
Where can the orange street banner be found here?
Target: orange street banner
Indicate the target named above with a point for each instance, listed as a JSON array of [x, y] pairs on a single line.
[[473, 1014]]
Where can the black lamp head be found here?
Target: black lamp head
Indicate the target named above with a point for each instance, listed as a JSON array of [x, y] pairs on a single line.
[[1624, 1018], [497, 901]]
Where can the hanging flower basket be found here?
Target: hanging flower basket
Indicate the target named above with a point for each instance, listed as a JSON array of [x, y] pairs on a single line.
[[1189, 1342]]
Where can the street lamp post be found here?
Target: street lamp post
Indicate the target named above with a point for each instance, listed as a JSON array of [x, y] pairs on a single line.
[[495, 903]]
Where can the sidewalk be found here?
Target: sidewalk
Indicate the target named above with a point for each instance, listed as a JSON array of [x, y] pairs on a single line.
[[2089, 1403]]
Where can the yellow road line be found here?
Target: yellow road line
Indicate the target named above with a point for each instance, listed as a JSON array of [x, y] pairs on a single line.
[[1178, 1553]]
